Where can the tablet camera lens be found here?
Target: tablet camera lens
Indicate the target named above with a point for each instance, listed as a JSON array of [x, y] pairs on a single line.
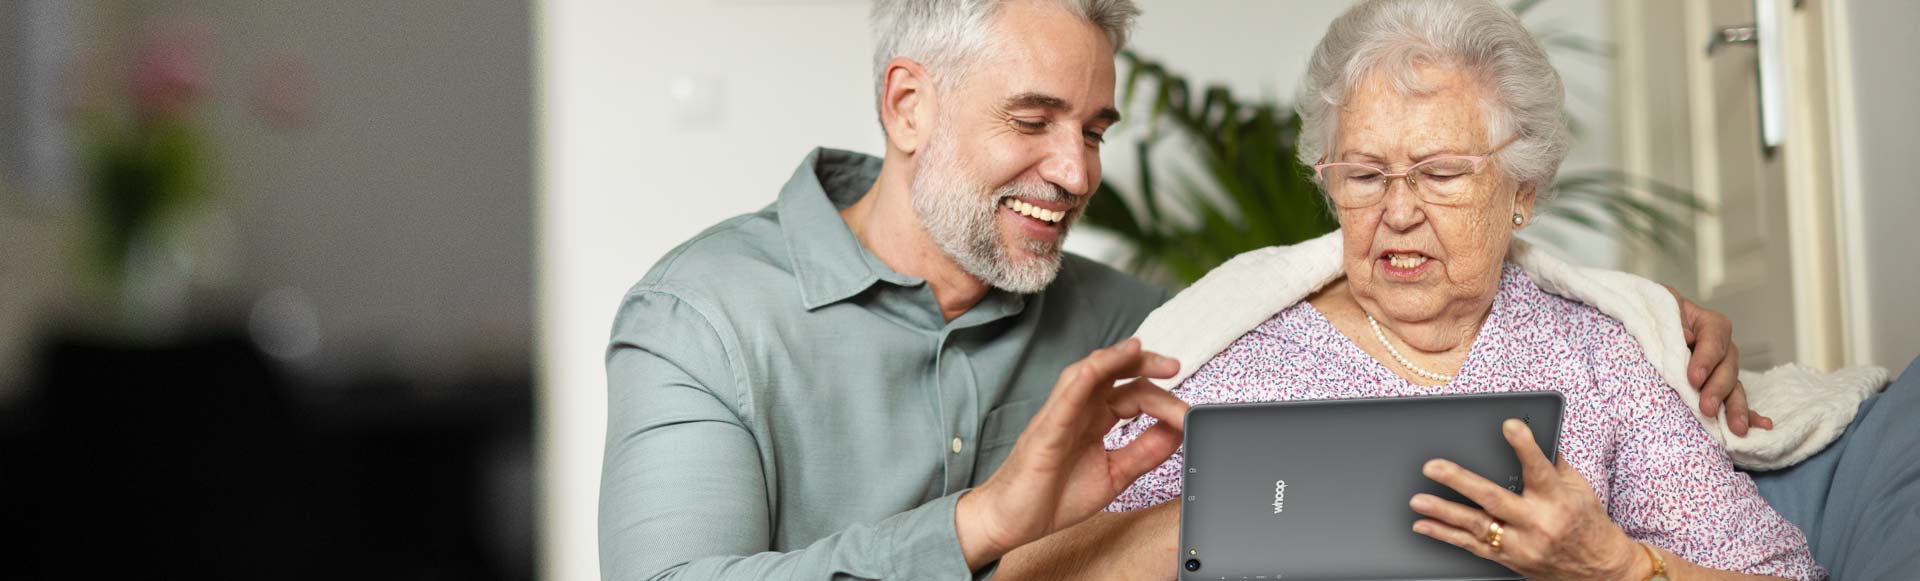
[[1193, 564]]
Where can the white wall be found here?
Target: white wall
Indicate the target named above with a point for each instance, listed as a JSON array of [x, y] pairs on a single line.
[[1886, 135], [622, 180], [625, 175]]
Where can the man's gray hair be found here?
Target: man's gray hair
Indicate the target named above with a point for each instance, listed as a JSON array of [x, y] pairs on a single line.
[[949, 36], [1394, 37]]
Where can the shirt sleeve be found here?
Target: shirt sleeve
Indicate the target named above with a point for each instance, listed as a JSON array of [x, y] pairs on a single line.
[[1672, 485], [682, 492]]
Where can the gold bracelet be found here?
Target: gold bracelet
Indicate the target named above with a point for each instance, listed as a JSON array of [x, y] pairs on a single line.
[[1659, 563]]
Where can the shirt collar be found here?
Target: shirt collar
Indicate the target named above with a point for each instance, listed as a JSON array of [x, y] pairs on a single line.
[[828, 259]]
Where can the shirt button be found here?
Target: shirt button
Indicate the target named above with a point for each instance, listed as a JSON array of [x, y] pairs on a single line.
[[957, 445]]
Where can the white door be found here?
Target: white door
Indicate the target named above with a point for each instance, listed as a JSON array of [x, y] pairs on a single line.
[[1743, 126]]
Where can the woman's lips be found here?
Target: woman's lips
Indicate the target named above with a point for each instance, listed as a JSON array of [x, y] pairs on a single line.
[[1404, 263]]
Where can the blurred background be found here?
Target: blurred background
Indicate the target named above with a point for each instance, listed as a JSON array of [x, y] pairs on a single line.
[[311, 289], [266, 280]]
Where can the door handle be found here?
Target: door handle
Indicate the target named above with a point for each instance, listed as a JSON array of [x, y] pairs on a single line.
[[1764, 34], [1748, 34]]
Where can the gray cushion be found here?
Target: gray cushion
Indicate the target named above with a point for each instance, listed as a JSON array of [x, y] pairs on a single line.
[[1859, 500]]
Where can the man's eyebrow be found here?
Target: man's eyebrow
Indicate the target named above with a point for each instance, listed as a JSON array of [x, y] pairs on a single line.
[[1037, 101], [1050, 102]]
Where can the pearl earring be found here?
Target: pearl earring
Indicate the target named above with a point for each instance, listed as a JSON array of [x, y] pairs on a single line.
[[1517, 219]]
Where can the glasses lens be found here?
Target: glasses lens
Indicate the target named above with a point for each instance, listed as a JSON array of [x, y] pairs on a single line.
[[1355, 185], [1445, 179]]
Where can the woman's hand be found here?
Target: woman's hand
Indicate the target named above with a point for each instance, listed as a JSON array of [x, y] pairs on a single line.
[[1555, 530]]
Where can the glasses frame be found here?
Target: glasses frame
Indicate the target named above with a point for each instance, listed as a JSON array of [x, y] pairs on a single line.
[[1479, 161]]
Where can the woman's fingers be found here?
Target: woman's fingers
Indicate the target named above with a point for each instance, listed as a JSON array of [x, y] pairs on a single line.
[[1535, 467], [1472, 542], [1496, 500], [1453, 513]]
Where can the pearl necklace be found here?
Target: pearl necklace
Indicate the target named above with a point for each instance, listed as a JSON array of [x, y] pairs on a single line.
[[1403, 360]]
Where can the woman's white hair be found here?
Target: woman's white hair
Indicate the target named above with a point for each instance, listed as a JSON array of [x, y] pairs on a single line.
[[949, 36], [1396, 37]]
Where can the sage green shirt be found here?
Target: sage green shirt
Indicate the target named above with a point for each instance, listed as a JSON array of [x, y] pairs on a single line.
[[781, 404]]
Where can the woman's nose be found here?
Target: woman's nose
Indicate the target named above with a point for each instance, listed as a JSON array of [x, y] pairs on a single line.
[[1402, 208]]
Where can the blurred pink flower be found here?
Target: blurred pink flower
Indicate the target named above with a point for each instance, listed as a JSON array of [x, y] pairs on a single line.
[[169, 72]]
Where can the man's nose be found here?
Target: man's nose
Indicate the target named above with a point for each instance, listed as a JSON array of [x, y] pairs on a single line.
[[1068, 163]]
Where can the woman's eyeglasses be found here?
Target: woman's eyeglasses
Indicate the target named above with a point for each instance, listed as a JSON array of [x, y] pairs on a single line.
[[1439, 180]]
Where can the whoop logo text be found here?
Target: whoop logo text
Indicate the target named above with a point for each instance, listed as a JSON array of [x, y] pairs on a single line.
[[1279, 496]]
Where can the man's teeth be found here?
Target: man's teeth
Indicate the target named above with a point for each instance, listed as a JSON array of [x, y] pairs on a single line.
[[1406, 260], [1035, 212]]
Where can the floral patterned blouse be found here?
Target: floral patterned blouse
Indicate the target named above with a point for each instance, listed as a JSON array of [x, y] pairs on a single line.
[[1659, 475]]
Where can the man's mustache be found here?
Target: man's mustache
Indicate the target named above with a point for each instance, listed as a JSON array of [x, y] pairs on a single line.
[[1037, 192]]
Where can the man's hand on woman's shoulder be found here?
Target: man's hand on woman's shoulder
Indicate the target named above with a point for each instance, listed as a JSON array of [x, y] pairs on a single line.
[[1714, 368]]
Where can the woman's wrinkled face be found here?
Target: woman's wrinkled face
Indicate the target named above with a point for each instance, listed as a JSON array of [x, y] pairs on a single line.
[[1405, 258]]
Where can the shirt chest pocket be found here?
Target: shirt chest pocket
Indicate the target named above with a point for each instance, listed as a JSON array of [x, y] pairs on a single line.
[[999, 432]]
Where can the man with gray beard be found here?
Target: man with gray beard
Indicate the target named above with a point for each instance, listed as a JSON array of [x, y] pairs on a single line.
[[885, 374], [947, 199]]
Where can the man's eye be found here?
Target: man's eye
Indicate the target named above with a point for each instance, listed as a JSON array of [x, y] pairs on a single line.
[[1095, 137], [1030, 126]]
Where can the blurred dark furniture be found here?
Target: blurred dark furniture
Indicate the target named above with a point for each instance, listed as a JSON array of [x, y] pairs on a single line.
[[198, 459]]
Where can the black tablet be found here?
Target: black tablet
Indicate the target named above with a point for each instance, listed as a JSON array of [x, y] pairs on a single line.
[[1319, 489]]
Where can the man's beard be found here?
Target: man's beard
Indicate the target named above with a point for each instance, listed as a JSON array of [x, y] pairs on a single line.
[[962, 217]]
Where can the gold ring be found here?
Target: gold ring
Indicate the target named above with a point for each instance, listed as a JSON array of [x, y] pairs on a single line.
[[1494, 531]]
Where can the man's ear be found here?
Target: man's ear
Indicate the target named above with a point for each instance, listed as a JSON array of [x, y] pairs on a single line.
[[907, 105]]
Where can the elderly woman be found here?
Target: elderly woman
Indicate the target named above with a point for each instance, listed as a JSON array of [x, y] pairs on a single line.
[[1432, 126]]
